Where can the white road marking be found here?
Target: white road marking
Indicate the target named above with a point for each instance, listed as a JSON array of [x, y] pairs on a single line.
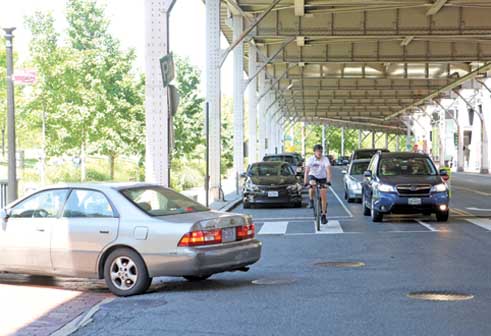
[[331, 227], [485, 223], [428, 226], [294, 219], [478, 209], [273, 228], [341, 202]]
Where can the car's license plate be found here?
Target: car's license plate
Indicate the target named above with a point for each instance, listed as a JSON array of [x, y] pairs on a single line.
[[272, 194], [414, 201], [228, 235]]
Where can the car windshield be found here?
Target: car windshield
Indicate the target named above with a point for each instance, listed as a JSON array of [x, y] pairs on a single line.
[[358, 168], [406, 166], [159, 201], [267, 170], [281, 158]]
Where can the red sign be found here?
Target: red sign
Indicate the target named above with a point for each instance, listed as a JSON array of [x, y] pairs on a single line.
[[25, 76]]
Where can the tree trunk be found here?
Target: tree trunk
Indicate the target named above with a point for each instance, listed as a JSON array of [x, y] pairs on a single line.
[[111, 166]]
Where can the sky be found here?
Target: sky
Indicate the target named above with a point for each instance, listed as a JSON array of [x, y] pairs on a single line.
[[187, 29]]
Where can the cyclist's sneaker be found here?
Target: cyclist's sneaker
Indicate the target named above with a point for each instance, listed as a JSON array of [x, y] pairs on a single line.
[[311, 204], [323, 219]]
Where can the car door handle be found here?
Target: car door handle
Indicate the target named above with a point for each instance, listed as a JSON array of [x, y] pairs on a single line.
[[104, 231], [40, 229]]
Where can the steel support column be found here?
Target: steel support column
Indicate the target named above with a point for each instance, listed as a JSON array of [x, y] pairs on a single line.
[[398, 143], [360, 145], [386, 140], [252, 94], [373, 139], [342, 141], [213, 93], [324, 139], [238, 97], [156, 106], [262, 118], [303, 138]]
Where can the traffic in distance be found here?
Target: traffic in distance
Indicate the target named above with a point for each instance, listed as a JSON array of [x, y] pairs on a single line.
[[129, 233]]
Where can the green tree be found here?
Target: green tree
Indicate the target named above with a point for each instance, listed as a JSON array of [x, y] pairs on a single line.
[[188, 122]]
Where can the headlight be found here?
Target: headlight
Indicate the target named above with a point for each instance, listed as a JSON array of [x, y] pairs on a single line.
[[294, 187], [385, 188], [442, 187], [251, 186]]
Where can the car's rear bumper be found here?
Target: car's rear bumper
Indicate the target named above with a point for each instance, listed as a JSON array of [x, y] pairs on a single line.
[[205, 260], [354, 193], [393, 203]]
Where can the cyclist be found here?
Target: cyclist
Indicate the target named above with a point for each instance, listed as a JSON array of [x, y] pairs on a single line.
[[318, 170]]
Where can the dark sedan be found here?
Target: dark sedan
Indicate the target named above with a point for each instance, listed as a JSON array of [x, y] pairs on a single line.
[[404, 183], [271, 182]]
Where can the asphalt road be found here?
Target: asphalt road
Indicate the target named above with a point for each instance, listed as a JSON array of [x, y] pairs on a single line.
[[294, 296]]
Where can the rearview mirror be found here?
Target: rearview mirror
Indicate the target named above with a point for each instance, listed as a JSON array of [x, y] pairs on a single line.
[[367, 173], [444, 175]]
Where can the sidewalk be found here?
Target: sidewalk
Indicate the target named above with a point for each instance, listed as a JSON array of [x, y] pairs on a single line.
[[229, 190]]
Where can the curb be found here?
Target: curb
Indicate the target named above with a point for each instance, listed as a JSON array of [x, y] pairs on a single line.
[[81, 320], [232, 204]]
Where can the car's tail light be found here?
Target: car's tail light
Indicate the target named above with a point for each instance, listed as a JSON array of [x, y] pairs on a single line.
[[245, 232], [198, 238]]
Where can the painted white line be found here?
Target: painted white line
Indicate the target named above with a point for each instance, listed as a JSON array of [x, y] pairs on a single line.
[[428, 226], [341, 202], [331, 227], [478, 209], [273, 228], [485, 223], [294, 219]]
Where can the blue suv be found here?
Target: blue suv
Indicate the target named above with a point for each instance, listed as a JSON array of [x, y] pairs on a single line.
[[403, 183]]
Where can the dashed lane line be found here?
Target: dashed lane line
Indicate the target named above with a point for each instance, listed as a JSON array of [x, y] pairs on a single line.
[[273, 228], [332, 227], [484, 223]]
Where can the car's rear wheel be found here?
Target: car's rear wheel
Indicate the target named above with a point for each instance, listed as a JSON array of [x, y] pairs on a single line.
[[194, 278], [366, 210], [377, 216], [125, 273], [442, 216]]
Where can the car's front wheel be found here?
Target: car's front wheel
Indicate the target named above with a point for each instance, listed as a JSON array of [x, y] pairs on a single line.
[[125, 273], [442, 216]]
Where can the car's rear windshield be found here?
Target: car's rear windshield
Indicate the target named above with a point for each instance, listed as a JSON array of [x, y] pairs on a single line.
[[358, 168], [266, 170], [159, 201], [283, 158], [395, 166], [364, 155]]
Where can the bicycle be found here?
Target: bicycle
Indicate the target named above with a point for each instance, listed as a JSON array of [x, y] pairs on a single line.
[[317, 202]]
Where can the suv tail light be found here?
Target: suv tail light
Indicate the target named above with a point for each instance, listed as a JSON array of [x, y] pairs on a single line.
[[245, 232]]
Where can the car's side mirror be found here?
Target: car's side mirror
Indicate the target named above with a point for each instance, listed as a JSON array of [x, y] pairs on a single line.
[[367, 173], [344, 171], [243, 175], [4, 214]]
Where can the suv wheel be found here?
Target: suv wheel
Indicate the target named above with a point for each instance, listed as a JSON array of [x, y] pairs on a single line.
[[442, 216], [366, 210], [377, 216]]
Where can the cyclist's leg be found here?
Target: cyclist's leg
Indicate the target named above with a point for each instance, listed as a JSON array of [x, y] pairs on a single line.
[[323, 190], [311, 190]]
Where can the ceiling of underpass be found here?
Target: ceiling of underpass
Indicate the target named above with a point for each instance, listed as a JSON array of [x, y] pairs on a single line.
[[365, 62]]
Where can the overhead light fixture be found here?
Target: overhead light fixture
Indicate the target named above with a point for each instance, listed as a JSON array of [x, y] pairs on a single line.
[[300, 41], [289, 86]]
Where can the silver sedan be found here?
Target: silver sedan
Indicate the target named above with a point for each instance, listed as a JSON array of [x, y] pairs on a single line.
[[353, 177], [124, 233]]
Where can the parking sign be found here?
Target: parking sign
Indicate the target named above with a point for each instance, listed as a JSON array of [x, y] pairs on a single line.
[[167, 69]]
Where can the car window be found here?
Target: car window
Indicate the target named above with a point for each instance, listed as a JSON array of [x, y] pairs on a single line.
[[264, 170], [45, 204], [159, 201], [281, 158], [406, 166], [87, 203], [358, 168]]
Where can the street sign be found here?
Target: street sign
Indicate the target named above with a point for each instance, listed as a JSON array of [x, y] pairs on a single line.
[[167, 69], [25, 76], [173, 99]]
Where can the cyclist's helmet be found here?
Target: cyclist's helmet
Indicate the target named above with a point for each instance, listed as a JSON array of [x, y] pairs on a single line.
[[318, 147]]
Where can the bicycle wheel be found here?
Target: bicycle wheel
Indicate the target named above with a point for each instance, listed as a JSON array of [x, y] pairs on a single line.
[[317, 207]]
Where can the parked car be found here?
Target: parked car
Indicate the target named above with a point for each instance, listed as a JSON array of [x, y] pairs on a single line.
[[125, 233], [342, 161], [353, 179], [271, 182], [291, 159], [366, 153], [404, 183]]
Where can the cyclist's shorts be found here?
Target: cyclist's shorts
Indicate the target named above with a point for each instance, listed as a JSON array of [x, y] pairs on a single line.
[[322, 182]]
